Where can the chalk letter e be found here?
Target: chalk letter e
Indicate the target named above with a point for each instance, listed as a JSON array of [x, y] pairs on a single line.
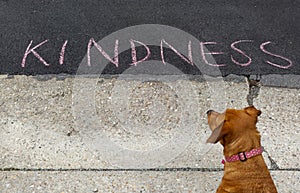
[[203, 53]]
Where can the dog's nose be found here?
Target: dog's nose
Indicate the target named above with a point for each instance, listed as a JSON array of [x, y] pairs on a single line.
[[209, 112]]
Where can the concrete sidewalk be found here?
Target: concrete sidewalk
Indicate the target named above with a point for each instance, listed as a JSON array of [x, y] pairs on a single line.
[[53, 141]]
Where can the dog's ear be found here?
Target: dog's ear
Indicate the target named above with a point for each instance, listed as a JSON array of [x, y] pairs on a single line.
[[215, 136], [253, 111], [217, 132]]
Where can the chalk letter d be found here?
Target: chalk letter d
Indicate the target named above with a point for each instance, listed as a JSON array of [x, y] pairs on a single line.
[[133, 52]]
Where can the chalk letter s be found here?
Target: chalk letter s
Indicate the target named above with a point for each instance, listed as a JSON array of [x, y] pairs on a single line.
[[241, 52], [262, 47]]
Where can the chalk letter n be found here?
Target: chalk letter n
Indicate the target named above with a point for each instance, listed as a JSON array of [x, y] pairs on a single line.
[[114, 60], [188, 60]]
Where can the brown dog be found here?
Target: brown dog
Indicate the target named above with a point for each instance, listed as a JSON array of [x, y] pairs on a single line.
[[244, 166]]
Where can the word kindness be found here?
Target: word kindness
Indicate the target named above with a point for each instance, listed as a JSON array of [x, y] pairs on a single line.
[[281, 61]]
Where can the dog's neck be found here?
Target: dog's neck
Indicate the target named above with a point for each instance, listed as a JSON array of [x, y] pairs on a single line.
[[243, 143]]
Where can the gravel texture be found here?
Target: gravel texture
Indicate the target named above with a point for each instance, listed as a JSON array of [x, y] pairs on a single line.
[[125, 182], [163, 123]]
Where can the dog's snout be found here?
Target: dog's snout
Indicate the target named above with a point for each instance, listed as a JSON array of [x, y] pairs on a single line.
[[209, 112]]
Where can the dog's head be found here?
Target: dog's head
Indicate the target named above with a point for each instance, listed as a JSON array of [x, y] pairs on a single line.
[[232, 124]]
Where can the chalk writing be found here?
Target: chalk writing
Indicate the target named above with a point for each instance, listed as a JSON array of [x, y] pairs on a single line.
[[241, 52], [262, 47], [205, 55], [114, 60], [133, 52], [32, 50], [62, 53], [188, 60]]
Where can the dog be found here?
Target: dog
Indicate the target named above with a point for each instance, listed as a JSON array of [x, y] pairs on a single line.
[[244, 167]]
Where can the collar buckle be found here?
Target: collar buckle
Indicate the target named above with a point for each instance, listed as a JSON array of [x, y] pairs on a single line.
[[242, 156]]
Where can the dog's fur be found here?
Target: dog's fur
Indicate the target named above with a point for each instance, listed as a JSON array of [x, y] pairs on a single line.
[[236, 131]]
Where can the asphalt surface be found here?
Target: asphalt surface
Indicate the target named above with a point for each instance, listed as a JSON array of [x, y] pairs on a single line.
[[52, 37]]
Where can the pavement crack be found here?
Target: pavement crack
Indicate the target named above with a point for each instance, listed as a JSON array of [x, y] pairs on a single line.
[[180, 169], [274, 165], [254, 88]]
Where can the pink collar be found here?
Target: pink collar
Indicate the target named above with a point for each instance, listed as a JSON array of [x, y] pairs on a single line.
[[243, 156]]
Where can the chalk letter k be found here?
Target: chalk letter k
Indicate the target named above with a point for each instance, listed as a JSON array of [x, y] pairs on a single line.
[[32, 50]]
